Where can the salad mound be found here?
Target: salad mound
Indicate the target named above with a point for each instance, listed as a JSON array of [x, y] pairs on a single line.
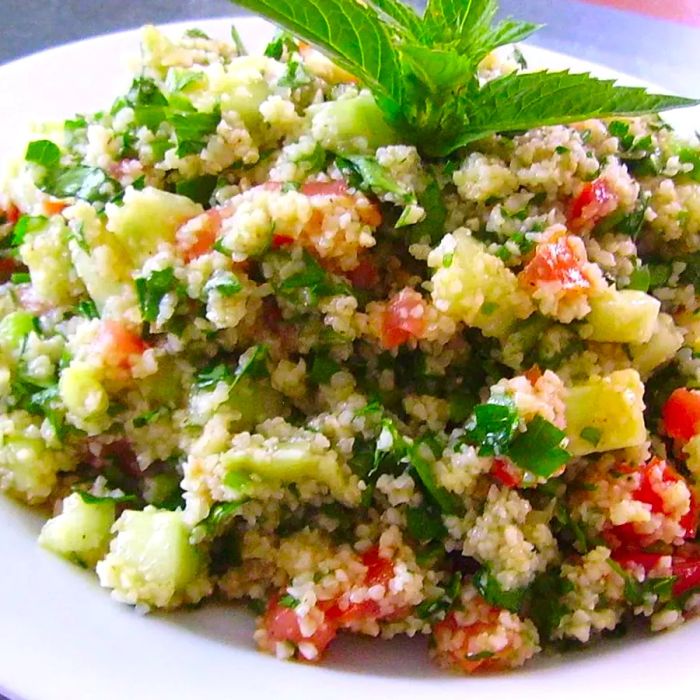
[[403, 342]]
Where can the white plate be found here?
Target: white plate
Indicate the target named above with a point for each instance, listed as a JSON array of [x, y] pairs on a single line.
[[63, 638]]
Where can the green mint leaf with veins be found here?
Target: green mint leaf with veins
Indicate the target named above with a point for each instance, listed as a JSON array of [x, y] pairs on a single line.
[[520, 102], [353, 35], [422, 71]]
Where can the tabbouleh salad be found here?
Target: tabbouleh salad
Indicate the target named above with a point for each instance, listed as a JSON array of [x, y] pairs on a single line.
[[274, 331]]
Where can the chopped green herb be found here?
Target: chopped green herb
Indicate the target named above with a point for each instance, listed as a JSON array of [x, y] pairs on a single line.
[[538, 448], [493, 425], [323, 367], [20, 278], [492, 592], [425, 524], [43, 152], [151, 290], [88, 309], [289, 601], [371, 176], [91, 499], [219, 518], [238, 42], [226, 284], [25, 225], [198, 189], [275, 49]]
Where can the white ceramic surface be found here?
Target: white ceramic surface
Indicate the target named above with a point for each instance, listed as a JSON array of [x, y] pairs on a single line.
[[63, 638]]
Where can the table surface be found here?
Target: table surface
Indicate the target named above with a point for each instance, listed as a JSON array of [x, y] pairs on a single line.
[[652, 39]]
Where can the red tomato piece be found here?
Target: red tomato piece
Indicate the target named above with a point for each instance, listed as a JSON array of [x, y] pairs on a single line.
[[52, 207], [681, 414], [282, 625], [380, 570], [120, 344], [503, 471], [365, 275], [334, 188], [279, 240], [404, 318], [205, 237], [12, 214], [595, 201], [557, 261]]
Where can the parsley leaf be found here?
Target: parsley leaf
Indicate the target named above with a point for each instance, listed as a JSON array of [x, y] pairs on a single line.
[[494, 425], [492, 592], [226, 284], [43, 152], [538, 448], [151, 290], [371, 176], [198, 189]]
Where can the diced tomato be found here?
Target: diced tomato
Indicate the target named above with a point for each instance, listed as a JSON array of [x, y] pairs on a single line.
[[12, 214], [204, 237], [7, 267], [447, 631], [557, 261], [595, 201], [119, 344], [279, 240], [380, 570], [282, 625], [334, 188], [365, 275], [503, 471], [53, 206], [681, 414], [533, 374], [685, 565], [655, 476], [404, 318], [369, 213]]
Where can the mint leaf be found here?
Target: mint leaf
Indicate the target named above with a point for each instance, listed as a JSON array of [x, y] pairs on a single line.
[[371, 175], [518, 102], [352, 33]]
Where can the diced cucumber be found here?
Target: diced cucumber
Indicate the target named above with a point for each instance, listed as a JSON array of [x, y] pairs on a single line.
[[243, 88], [610, 408], [353, 125], [14, 328], [151, 560], [47, 255], [147, 218], [82, 530], [626, 316], [28, 468], [476, 287], [664, 343], [81, 391], [288, 462], [255, 401]]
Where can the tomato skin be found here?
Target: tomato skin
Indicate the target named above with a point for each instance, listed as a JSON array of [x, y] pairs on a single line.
[[12, 214], [52, 207], [404, 318], [334, 188], [556, 261], [595, 201], [654, 475], [681, 414], [365, 275], [120, 344], [380, 570], [503, 471], [279, 240], [685, 567], [282, 625], [205, 236]]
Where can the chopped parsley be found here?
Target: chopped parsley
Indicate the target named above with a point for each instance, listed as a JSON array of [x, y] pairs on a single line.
[[151, 290]]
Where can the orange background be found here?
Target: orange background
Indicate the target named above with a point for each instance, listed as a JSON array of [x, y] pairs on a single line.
[[687, 11]]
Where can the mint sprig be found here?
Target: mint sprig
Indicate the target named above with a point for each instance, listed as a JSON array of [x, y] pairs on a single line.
[[422, 70]]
